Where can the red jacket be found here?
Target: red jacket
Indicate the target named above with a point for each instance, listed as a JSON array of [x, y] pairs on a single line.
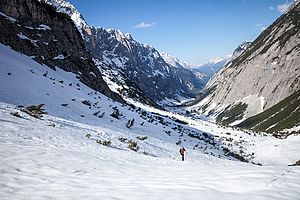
[[181, 151]]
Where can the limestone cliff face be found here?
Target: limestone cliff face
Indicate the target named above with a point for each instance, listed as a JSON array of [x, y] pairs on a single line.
[[38, 30], [262, 76]]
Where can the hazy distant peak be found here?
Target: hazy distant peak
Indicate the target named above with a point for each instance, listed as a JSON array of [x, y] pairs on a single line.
[[173, 61]]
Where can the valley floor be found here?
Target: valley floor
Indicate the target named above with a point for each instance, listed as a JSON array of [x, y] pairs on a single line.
[[39, 161]]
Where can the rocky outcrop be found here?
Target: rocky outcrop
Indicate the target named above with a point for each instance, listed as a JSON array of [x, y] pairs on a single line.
[[262, 76], [240, 49], [36, 29]]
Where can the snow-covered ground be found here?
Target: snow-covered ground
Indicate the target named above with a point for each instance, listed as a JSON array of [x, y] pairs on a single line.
[[60, 156], [39, 161]]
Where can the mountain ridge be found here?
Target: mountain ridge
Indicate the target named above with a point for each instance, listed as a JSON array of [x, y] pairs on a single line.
[[263, 75], [118, 54]]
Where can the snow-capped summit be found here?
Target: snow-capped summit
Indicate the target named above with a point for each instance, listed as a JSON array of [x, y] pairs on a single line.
[[219, 59], [67, 8], [119, 34], [174, 61], [211, 67]]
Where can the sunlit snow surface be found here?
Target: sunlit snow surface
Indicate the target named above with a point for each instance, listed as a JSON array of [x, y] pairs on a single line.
[[53, 159], [43, 162]]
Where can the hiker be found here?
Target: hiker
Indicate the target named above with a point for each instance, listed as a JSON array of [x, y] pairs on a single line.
[[181, 151]]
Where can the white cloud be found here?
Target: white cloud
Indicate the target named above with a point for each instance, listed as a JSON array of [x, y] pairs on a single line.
[[283, 7], [145, 25], [271, 8]]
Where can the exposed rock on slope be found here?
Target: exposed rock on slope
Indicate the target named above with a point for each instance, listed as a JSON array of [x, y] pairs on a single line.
[[281, 116], [240, 49], [131, 68], [36, 29], [139, 66], [262, 76], [193, 79]]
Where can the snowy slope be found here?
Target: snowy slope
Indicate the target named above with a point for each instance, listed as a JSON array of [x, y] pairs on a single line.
[[25, 82], [40, 161], [54, 158]]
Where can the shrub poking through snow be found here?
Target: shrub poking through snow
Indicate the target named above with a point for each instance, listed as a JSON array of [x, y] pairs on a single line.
[[180, 121], [97, 114], [16, 114], [88, 135], [130, 123], [35, 111], [123, 140], [104, 142], [142, 138], [132, 145], [86, 102], [227, 152], [51, 125], [101, 115], [296, 163], [116, 113]]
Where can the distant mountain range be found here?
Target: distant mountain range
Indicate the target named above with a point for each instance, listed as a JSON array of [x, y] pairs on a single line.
[[211, 67]]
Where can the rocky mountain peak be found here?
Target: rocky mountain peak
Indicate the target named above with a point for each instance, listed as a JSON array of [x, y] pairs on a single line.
[[65, 7], [119, 34], [174, 61], [138, 65]]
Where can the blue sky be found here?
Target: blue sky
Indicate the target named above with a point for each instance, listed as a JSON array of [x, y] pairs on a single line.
[[192, 30]]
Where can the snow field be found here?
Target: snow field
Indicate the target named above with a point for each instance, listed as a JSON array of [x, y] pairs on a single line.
[[54, 159], [44, 162]]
